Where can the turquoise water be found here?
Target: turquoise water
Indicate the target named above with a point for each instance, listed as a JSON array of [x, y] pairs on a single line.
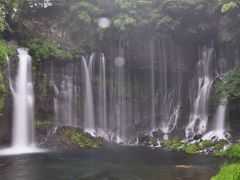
[[110, 163]]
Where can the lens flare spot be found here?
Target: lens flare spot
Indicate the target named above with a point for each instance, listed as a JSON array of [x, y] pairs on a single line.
[[103, 22], [119, 61]]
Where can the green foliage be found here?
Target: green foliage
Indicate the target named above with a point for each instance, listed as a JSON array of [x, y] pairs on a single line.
[[164, 22], [39, 123], [218, 148], [190, 148], [2, 86], [233, 151], [2, 21], [43, 85], [4, 50], [229, 6], [41, 49], [228, 172], [229, 87], [2, 92], [86, 12], [123, 21], [206, 144], [172, 144], [83, 140]]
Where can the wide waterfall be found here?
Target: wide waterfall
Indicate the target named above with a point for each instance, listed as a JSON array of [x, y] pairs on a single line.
[[23, 107], [107, 95]]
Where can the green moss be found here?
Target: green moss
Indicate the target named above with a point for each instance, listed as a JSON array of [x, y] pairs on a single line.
[[228, 172], [172, 144], [83, 140], [190, 148], [42, 49]]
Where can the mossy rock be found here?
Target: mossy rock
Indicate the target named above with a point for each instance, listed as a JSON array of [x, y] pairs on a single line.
[[82, 139], [67, 138]]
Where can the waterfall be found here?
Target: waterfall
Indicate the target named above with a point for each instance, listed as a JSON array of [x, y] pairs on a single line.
[[56, 103], [199, 116], [102, 95], [220, 115], [90, 65], [153, 113], [168, 126], [66, 90], [23, 130], [23, 107], [89, 121], [218, 132], [169, 93]]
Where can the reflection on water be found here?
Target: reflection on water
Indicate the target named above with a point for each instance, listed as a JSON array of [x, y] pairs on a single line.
[[118, 163]]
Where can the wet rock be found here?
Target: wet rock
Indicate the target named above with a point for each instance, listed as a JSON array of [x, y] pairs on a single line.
[[67, 138], [142, 138], [151, 142], [156, 134], [197, 137]]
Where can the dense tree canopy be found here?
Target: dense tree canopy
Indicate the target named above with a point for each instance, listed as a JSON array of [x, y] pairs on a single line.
[[76, 20]]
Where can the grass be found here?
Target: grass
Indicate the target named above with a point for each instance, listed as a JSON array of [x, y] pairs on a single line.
[[228, 172]]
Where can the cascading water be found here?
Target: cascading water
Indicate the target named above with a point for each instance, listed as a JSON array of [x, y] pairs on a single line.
[[199, 116], [23, 129], [102, 95], [153, 114], [89, 121], [218, 131], [220, 115], [66, 95], [125, 102]]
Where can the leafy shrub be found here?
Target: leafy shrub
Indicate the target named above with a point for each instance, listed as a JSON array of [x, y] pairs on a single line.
[[4, 50], [190, 148], [229, 86], [228, 172], [42, 49], [172, 144]]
